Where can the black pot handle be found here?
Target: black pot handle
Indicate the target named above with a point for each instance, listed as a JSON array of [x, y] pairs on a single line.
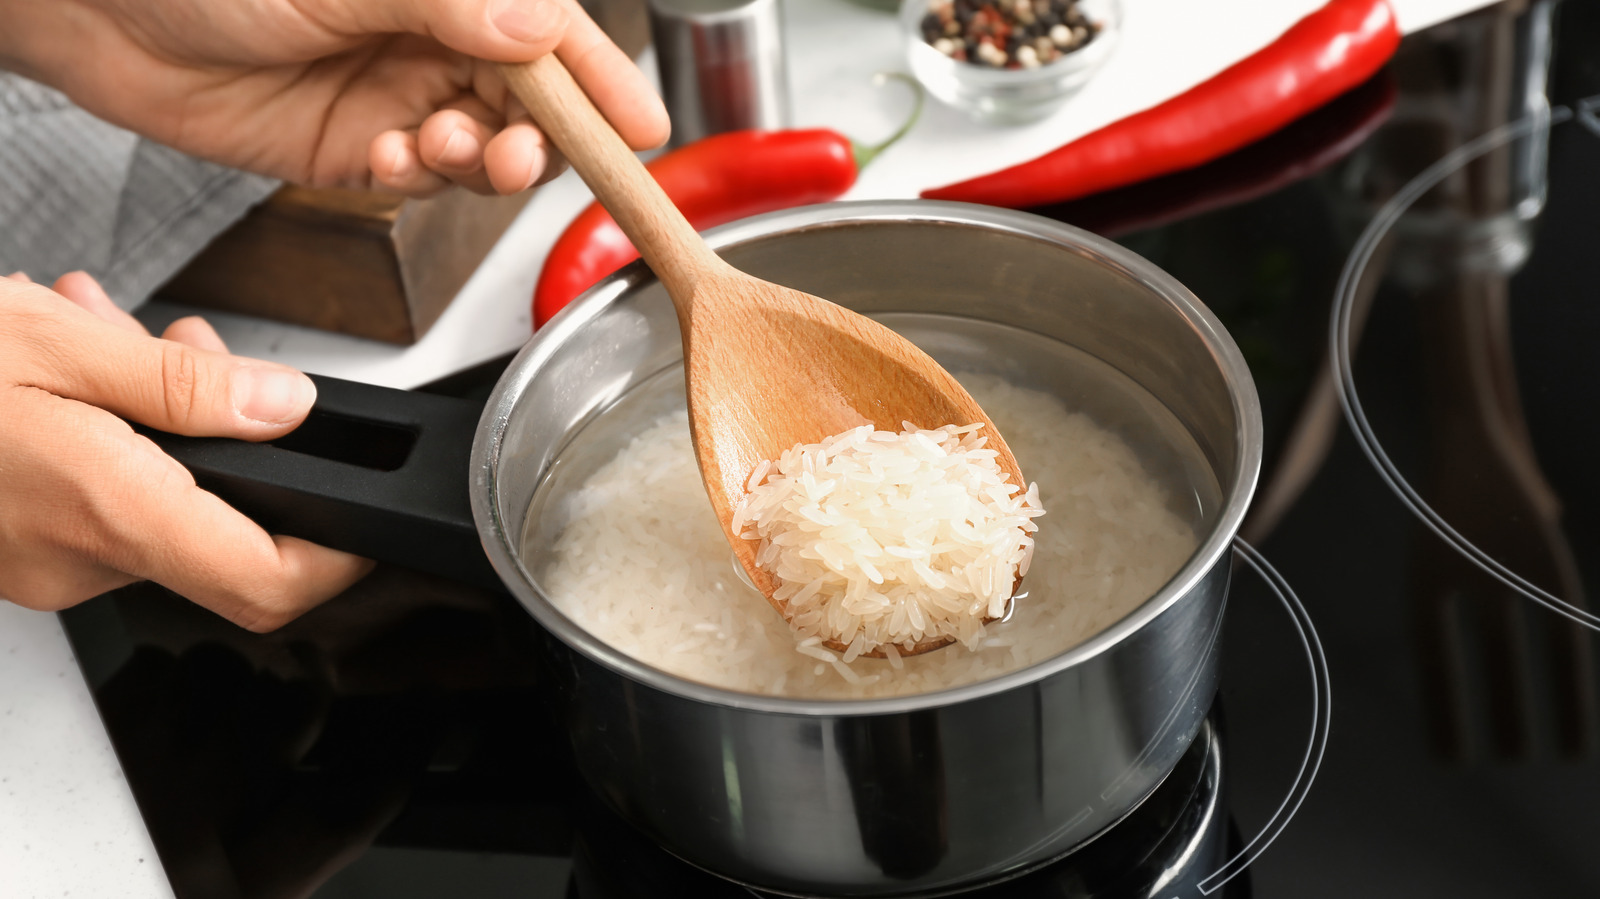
[[379, 472]]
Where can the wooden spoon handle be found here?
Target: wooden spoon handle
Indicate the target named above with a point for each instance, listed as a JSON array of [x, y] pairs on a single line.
[[619, 180]]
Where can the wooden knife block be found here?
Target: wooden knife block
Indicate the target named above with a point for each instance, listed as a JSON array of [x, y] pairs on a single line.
[[351, 261], [363, 263]]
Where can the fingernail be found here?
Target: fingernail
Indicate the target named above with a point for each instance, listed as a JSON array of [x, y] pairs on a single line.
[[457, 152], [541, 161], [400, 165], [528, 22], [20, 276], [272, 395]]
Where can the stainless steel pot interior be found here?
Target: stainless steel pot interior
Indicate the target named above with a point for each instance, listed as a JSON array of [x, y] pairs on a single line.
[[950, 258], [787, 794]]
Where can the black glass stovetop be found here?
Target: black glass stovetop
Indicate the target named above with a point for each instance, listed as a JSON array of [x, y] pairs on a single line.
[[1413, 274]]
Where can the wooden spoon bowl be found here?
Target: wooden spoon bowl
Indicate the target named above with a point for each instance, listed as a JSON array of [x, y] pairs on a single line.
[[767, 367]]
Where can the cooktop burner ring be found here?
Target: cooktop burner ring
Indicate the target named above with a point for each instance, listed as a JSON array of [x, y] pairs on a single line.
[[1321, 721], [1248, 850], [1539, 122]]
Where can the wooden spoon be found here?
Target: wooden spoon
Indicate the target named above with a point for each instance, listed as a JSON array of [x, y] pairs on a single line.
[[767, 367]]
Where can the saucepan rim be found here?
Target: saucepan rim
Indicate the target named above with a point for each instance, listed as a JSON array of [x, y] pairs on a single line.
[[486, 506]]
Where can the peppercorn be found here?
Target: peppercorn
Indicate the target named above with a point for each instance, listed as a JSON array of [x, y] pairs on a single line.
[[1007, 34]]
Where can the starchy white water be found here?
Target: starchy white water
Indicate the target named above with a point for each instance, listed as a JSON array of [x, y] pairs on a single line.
[[642, 563]]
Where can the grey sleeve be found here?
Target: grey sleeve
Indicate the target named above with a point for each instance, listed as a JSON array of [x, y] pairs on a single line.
[[77, 193]]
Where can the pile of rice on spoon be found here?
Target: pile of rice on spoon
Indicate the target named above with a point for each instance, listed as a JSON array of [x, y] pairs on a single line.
[[882, 541]]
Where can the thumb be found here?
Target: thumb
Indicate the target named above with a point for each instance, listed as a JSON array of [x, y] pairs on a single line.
[[162, 383], [496, 30]]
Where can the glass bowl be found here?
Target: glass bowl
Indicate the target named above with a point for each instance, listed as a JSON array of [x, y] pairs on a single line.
[[1009, 96]]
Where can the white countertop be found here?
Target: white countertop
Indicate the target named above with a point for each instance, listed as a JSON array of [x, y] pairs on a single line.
[[68, 824]]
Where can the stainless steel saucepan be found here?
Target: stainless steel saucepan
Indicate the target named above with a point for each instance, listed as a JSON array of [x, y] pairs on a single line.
[[886, 797]]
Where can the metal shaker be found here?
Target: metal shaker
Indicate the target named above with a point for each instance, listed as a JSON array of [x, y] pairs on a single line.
[[722, 65]]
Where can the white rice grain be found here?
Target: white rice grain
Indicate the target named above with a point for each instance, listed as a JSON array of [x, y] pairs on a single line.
[[642, 561], [875, 537]]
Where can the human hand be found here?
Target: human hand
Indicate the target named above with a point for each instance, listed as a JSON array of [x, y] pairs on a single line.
[[87, 505], [330, 93]]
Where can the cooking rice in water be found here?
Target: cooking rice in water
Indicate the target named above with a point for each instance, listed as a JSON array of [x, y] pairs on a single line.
[[643, 565]]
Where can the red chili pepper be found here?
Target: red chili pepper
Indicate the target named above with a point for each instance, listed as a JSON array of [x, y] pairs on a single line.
[[713, 181], [1323, 55], [1299, 151]]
